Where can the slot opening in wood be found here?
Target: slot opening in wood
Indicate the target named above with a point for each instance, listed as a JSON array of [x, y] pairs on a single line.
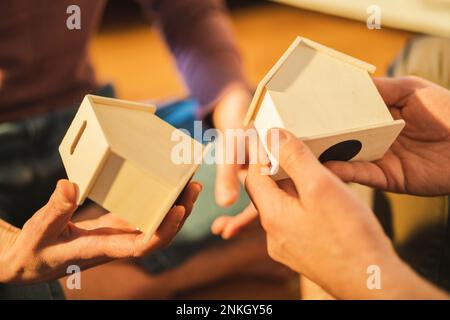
[[78, 137]]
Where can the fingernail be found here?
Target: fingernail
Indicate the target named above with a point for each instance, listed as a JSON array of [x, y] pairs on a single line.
[[276, 136]]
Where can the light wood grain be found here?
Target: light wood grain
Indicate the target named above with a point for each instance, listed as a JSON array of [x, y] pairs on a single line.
[[120, 155], [323, 97], [84, 160]]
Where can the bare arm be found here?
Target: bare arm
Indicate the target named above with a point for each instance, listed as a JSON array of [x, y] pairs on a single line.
[[318, 227], [200, 36]]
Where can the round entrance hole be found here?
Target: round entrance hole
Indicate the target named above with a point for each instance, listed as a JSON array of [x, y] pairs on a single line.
[[342, 151]]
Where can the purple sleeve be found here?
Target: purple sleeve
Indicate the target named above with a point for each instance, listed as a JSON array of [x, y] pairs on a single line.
[[200, 36]]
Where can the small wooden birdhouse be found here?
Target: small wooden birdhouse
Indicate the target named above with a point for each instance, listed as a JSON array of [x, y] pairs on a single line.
[[119, 154], [328, 100]]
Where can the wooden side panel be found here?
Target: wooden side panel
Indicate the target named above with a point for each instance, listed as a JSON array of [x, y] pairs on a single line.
[[136, 196], [260, 90], [265, 119], [375, 141], [84, 150]]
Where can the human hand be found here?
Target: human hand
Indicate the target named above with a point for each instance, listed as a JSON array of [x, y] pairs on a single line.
[[229, 113], [230, 226], [419, 161], [49, 242], [324, 231]]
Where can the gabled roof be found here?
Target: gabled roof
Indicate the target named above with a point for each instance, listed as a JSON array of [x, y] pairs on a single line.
[[260, 90], [120, 103]]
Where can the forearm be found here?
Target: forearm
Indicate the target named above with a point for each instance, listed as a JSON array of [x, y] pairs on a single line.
[[200, 36], [397, 281], [402, 282]]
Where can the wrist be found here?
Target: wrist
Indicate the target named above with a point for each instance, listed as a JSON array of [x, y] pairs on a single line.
[[401, 282], [383, 275], [364, 274]]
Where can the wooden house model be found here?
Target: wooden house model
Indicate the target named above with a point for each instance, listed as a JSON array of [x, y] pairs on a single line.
[[328, 100], [119, 153]]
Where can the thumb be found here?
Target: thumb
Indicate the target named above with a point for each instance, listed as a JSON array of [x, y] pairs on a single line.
[[295, 158], [58, 211]]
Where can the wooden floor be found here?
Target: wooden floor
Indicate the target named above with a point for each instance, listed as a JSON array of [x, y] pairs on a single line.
[[135, 59]]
